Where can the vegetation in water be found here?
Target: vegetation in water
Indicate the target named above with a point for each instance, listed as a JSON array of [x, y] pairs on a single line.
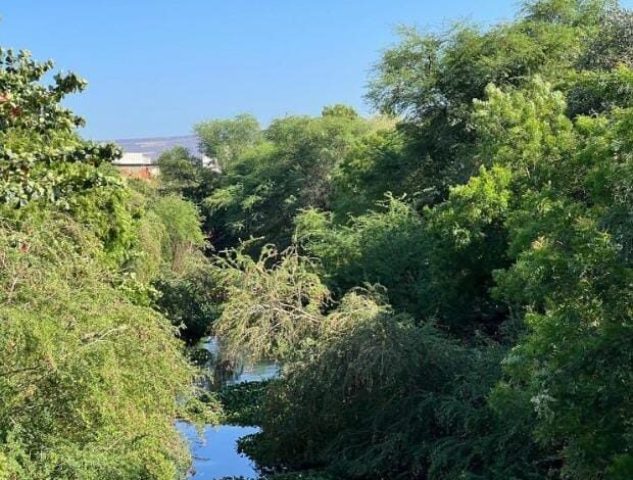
[[448, 284], [243, 403], [453, 296]]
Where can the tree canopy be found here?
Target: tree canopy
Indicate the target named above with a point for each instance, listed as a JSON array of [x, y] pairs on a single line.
[[448, 284], [475, 244]]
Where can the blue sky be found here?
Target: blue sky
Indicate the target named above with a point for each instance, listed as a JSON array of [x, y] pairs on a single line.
[[156, 67]]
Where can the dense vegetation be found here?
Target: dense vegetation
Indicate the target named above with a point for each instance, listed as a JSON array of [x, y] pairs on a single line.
[[449, 284], [92, 377]]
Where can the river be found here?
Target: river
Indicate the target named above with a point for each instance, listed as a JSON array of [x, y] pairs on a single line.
[[214, 451]]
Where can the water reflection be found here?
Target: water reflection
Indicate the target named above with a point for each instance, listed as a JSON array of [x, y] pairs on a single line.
[[214, 451]]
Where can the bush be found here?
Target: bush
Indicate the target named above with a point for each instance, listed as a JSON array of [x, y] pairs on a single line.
[[379, 397], [89, 381], [191, 300]]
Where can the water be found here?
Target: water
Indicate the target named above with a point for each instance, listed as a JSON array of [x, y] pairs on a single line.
[[236, 373], [214, 451]]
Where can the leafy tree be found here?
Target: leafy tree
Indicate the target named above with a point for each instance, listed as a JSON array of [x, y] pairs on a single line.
[[614, 45], [41, 156], [274, 304], [339, 111], [378, 397], [70, 339], [168, 255], [181, 173], [437, 265], [192, 299], [386, 247], [183, 234], [226, 140], [262, 191], [510, 238], [572, 278], [432, 79], [91, 377]]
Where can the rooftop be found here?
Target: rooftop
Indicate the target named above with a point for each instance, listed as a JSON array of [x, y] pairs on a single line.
[[153, 147]]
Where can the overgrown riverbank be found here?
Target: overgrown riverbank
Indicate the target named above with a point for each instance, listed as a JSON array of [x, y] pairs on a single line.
[[92, 376], [449, 288], [448, 284]]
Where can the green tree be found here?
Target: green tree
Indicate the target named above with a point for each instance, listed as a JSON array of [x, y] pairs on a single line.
[[506, 261], [181, 173], [226, 140], [91, 378], [274, 304], [431, 80], [41, 155], [260, 193]]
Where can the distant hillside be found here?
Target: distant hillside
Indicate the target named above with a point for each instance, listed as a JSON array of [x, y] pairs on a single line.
[[153, 147]]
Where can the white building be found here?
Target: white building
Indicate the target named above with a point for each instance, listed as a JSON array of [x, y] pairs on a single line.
[[135, 164], [141, 155]]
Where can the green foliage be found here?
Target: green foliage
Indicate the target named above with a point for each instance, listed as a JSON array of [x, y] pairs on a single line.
[[386, 247], [110, 212], [596, 92], [450, 292], [613, 46], [262, 190], [40, 155], [339, 110], [183, 174], [572, 12], [378, 164], [150, 237], [379, 397], [432, 79], [573, 275], [274, 304], [192, 299], [503, 254], [89, 381], [226, 140], [165, 265], [243, 403], [435, 266], [91, 378], [467, 243], [183, 234]]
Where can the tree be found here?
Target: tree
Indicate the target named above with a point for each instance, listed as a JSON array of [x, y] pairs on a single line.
[[181, 173], [226, 140], [431, 80], [91, 377], [500, 346], [41, 155], [274, 304], [260, 193]]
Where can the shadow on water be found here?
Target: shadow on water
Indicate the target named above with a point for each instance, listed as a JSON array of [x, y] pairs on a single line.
[[214, 451]]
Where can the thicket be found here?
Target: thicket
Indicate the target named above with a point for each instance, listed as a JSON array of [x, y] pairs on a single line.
[[448, 285], [455, 301], [92, 378]]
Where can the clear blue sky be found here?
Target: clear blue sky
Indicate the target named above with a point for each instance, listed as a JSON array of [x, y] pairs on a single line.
[[156, 67]]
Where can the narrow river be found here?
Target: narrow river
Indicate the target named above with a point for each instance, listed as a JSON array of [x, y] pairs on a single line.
[[214, 451]]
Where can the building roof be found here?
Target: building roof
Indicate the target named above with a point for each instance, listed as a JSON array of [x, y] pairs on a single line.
[[132, 159], [155, 146], [142, 152]]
